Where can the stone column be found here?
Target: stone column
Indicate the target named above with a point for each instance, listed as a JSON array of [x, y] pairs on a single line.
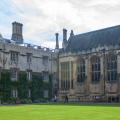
[[74, 74], [86, 80], [88, 74], [102, 75], [70, 73]]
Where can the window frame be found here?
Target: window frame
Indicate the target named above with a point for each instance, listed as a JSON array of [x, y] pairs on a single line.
[[45, 60], [29, 58], [111, 68], [29, 75], [45, 75], [95, 69], [14, 57], [81, 71]]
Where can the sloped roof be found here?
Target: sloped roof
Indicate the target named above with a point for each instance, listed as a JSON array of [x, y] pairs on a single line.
[[85, 41]]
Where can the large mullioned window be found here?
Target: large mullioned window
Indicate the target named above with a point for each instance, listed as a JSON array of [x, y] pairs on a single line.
[[65, 76], [81, 71], [111, 68], [95, 64]]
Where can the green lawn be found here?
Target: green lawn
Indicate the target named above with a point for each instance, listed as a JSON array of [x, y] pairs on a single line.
[[60, 112]]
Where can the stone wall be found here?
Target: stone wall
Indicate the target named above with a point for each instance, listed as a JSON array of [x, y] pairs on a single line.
[[38, 85], [37, 58], [89, 91]]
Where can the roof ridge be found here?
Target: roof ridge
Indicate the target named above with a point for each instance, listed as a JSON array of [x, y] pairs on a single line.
[[94, 31], [106, 36]]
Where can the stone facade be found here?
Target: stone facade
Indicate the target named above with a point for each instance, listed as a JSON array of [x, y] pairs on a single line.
[[37, 58], [103, 90], [32, 60], [98, 79], [84, 70]]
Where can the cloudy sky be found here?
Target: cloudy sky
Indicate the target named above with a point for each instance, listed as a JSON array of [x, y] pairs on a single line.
[[43, 18]]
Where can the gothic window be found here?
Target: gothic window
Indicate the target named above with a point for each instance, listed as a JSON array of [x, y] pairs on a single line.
[[14, 57], [81, 71], [95, 64], [111, 68]]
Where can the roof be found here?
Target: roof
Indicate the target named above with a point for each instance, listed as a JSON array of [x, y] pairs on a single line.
[[104, 37]]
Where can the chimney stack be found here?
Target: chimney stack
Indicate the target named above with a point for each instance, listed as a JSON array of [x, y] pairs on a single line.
[[64, 44], [57, 43], [71, 34], [17, 32], [64, 34]]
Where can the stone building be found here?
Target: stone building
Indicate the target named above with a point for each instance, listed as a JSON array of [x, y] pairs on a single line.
[[26, 71], [89, 66], [86, 68]]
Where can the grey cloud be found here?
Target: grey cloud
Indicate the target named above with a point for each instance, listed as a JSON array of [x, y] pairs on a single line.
[[42, 18]]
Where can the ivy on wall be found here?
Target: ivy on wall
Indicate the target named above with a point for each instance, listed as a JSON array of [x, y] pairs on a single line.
[[5, 86], [50, 86], [36, 85], [23, 86]]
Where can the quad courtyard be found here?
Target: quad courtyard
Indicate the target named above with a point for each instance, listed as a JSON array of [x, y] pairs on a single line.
[[60, 111]]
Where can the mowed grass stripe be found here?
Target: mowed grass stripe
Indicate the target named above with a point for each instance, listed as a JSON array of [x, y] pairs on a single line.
[[60, 112]]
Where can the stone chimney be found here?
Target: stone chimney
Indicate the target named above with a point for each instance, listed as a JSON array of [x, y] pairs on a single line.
[[57, 42], [64, 44], [71, 33], [17, 32]]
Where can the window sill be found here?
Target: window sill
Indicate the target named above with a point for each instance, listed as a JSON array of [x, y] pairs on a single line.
[[115, 81], [95, 82]]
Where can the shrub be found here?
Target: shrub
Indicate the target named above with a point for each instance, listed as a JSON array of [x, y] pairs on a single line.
[[26, 101]]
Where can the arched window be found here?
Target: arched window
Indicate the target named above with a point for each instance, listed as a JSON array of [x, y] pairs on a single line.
[[95, 64], [65, 76], [111, 68], [81, 71]]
